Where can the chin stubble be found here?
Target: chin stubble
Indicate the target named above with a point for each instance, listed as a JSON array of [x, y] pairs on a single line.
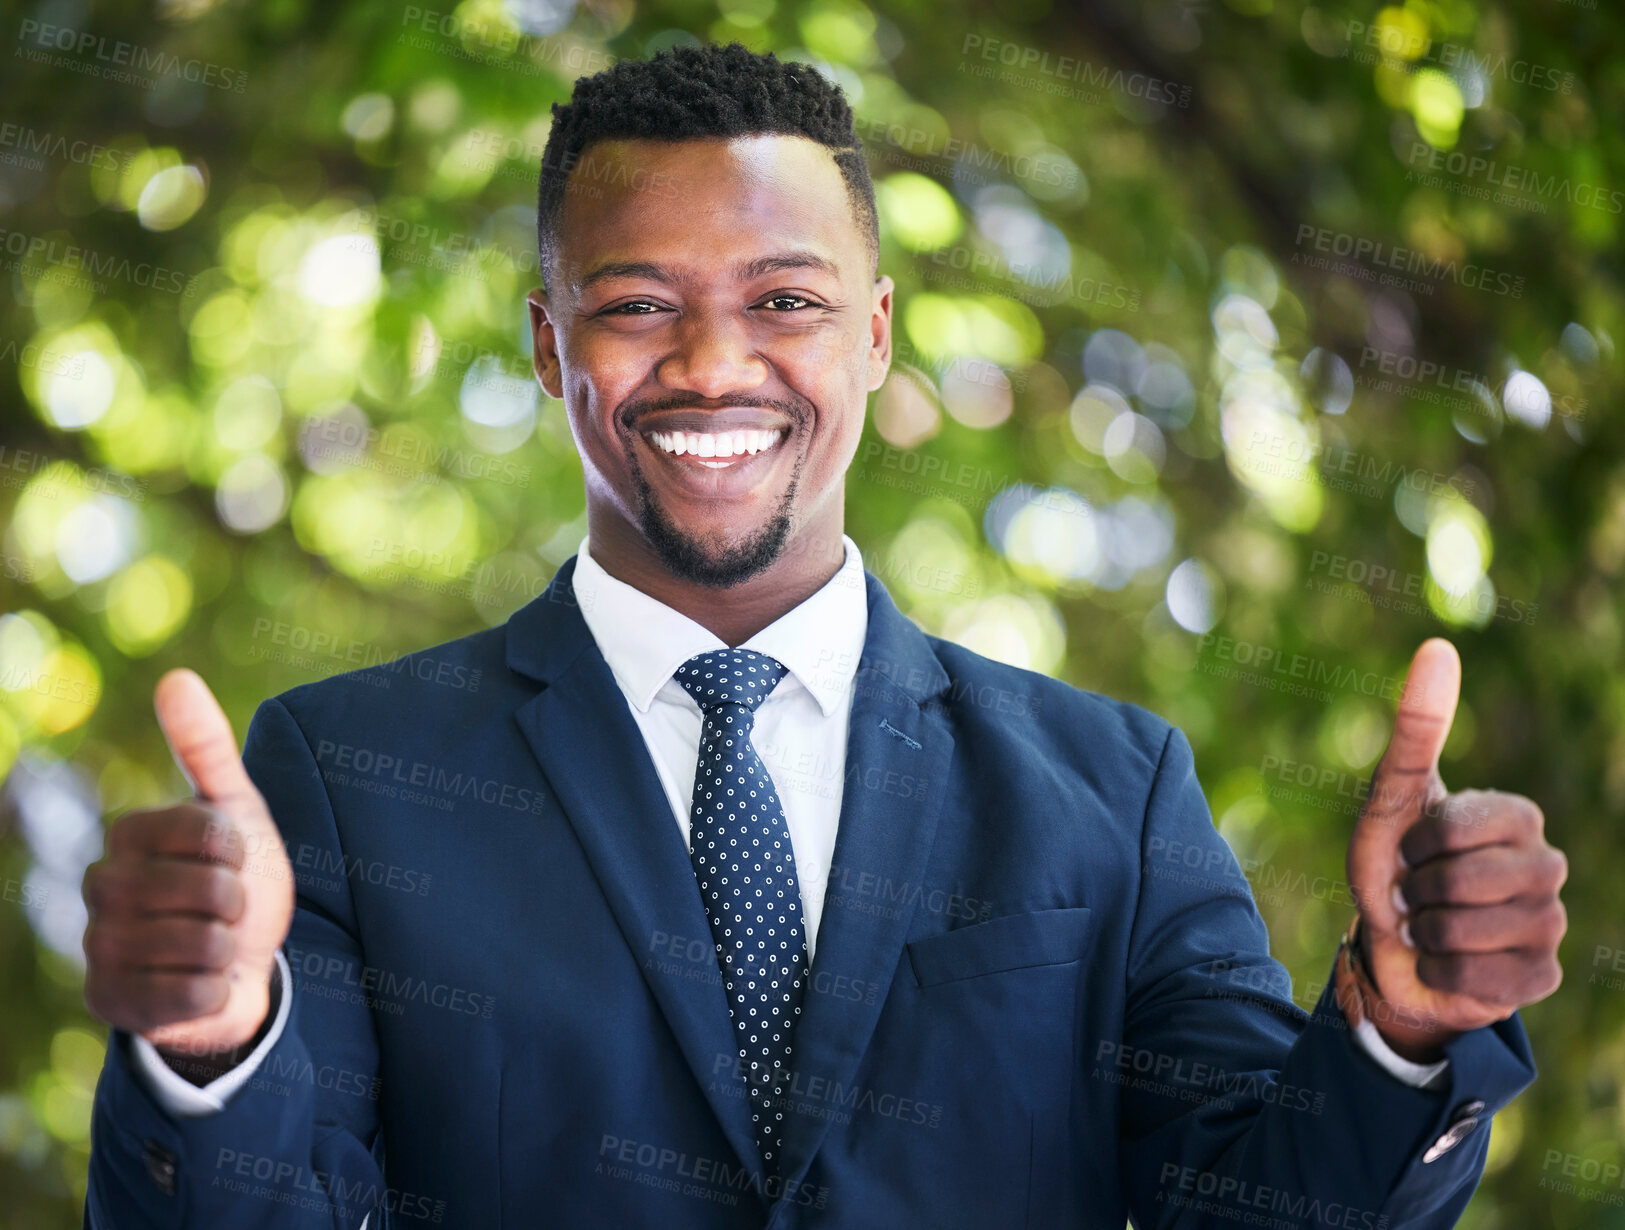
[[687, 556]]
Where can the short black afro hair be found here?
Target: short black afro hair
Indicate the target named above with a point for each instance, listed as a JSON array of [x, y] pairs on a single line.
[[695, 92]]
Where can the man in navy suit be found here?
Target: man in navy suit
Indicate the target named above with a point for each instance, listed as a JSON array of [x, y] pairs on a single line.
[[708, 891]]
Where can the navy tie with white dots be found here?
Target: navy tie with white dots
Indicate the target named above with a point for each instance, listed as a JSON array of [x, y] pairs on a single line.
[[740, 847]]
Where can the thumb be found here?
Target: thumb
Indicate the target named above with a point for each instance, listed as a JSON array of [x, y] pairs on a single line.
[[200, 737], [1406, 781]]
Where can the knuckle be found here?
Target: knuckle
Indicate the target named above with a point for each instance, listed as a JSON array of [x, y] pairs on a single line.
[[94, 886], [1554, 977], [99, 944], [1423, 886], [1430, 930], [1454, 880], [1554, 923], [122, 832], [1559, 866]]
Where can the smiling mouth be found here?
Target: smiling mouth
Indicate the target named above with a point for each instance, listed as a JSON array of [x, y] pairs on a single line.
[[717, 450]]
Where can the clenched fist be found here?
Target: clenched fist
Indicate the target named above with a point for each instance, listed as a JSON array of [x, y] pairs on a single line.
[[191, 901], [1458, 892]]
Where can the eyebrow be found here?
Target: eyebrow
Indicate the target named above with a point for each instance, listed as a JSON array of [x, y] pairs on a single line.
[[744, 271]]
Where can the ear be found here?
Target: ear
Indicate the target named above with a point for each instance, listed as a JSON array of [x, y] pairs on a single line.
[[544, 345], [880, 333]]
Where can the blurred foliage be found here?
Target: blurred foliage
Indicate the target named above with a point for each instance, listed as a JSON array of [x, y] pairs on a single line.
[[1232, 337]]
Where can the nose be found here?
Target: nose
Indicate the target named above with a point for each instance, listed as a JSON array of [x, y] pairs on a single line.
[[712, 357]]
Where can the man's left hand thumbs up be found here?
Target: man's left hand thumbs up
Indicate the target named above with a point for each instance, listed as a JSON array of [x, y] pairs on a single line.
[[1457, 892]]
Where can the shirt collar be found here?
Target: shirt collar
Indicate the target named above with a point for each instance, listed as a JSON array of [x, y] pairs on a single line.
[[645, 641]]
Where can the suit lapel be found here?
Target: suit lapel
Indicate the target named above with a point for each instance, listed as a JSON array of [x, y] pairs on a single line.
[[595, 759], [898, 752], [897, 757]]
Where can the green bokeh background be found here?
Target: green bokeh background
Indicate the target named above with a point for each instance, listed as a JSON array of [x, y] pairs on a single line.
[[267, 413]]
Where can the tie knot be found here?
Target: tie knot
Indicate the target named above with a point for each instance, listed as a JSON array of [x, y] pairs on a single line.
[[730, 677]]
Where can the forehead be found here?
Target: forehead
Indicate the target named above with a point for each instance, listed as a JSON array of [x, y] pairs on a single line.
[[693, 200]]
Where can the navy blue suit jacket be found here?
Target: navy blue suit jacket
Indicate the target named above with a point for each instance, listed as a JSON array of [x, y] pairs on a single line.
[[1042, 994]]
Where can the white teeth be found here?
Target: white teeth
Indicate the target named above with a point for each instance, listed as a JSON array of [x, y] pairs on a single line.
[[726, 445]]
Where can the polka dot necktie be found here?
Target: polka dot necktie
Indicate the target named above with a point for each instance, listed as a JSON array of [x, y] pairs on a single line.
[[740, 847]]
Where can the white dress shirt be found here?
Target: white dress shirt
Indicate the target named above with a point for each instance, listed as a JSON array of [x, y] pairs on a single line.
[[800, 730], [800, 734]]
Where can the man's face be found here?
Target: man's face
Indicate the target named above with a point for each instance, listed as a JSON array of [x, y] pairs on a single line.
[[714, 331]]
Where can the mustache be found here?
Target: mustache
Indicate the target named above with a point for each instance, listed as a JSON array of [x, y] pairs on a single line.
[[798, 410]]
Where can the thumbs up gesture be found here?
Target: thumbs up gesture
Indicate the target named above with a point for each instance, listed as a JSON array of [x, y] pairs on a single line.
[[1459, 911], [191, 901]]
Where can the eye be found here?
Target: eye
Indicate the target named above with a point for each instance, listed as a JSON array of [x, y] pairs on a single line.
[[797, 299], [621, 309]]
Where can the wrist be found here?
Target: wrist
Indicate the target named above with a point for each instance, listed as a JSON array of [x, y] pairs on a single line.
[[1407, 1033]]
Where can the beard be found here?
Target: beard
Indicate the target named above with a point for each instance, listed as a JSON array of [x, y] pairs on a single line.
[[705, 562]]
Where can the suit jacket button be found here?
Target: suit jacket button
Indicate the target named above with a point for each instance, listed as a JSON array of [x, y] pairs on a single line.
[[1474, 1107], [1453, 1136], [160, 1166]]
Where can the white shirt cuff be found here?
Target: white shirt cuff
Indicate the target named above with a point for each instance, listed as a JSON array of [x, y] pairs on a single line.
[[1422, 1075], [179, 1096]]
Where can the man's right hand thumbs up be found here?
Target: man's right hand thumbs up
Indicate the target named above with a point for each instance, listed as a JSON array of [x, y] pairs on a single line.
[[191, 901]]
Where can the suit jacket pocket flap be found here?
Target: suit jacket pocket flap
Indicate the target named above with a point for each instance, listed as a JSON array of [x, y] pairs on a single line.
[[1046, 937]]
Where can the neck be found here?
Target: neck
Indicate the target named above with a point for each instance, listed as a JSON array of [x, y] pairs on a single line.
[[734, 614]]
